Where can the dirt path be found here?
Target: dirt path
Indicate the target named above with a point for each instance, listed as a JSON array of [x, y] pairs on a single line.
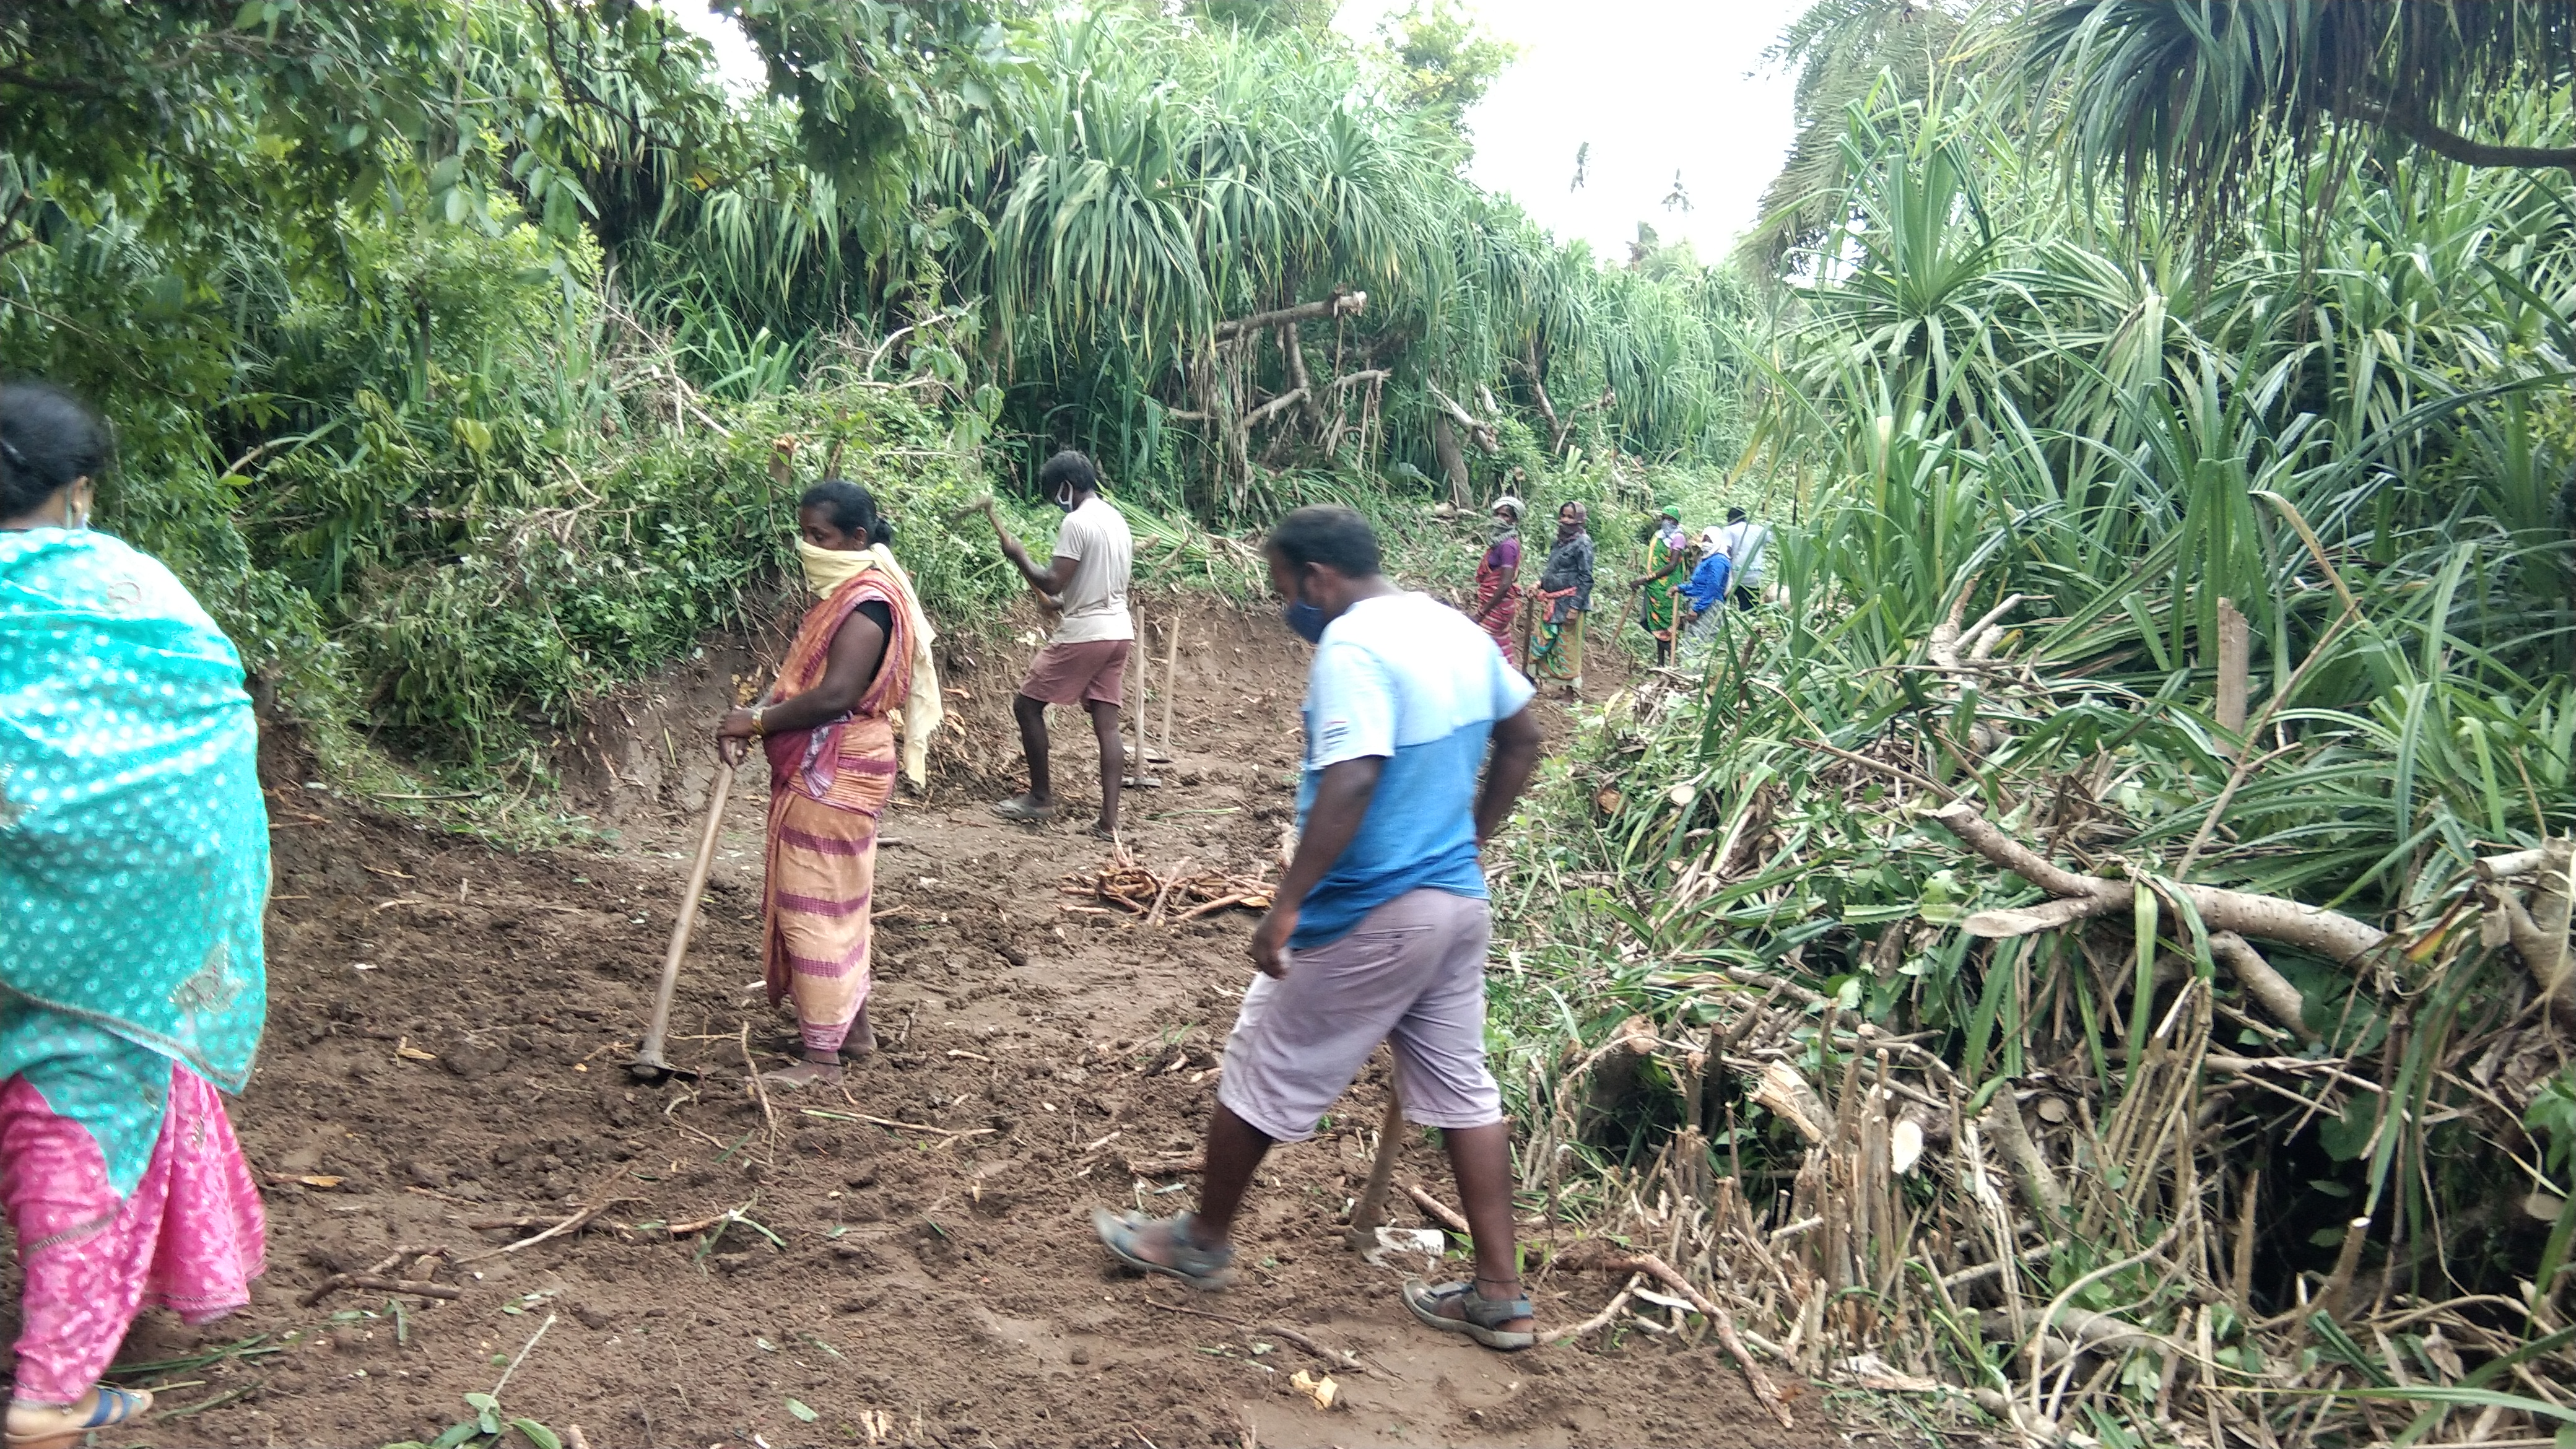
[[447, 1048]]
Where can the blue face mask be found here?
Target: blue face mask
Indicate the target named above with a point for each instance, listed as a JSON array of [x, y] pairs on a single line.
[[1306, 619]]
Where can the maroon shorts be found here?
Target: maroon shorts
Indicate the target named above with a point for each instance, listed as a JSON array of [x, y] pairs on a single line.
[[1088, 673]]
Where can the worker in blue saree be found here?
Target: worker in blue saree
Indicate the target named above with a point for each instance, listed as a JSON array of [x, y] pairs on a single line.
[[133, 874]]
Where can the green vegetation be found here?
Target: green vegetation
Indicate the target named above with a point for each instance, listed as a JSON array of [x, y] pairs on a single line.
[[2169, 403], [2061, 455], [448, 340]]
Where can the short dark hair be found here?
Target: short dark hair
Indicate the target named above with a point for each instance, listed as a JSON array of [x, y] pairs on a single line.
[[1327, 534], [1735, 515], [852, 509], [49, 439], [1068, 467]]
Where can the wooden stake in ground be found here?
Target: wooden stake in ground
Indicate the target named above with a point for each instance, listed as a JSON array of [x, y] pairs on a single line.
[[1142, 777], [1171, 678]]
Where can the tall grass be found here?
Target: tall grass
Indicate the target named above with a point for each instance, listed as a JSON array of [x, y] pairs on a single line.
[[2166, 1187]]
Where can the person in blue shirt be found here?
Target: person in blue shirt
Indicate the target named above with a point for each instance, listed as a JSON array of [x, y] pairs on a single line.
[[1378, 929], [1704, 595]]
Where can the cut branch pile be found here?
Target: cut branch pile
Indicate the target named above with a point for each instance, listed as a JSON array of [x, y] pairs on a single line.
[[1169, 898], [2087, 1191]]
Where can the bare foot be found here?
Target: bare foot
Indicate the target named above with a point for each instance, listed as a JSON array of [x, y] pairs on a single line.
[[862, 1039], [802, 1074]]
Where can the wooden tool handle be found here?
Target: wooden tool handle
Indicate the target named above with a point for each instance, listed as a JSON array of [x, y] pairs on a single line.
[[686, 919], [1372, 1204]]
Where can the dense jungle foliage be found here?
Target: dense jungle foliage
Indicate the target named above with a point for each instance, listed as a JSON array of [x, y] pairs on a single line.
[[2187, 479], [2113, 896], [448, 341]]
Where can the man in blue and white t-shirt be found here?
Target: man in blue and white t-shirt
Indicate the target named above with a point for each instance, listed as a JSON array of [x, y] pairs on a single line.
[[1378, 929]]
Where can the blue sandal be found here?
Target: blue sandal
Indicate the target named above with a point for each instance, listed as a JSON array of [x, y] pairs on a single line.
[[1479, 1314], [1206, 1269], [113, 1406]]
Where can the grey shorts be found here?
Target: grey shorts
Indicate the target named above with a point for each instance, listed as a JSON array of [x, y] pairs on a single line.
[[1411, 974]]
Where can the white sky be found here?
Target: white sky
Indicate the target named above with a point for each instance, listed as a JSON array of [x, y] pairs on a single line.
[[1655, 86]]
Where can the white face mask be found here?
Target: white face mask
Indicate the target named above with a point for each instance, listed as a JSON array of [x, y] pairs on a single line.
[[827, 569]]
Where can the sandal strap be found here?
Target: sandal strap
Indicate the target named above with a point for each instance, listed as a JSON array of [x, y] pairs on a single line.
[[1476, 1308], [1487, 1312], [1192, 1259], [115, 1406]]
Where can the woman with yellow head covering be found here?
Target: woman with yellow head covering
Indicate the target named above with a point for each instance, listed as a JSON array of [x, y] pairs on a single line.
[[860, 664]]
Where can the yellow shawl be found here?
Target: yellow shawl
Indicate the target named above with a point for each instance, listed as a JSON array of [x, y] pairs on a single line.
[[918, 717]]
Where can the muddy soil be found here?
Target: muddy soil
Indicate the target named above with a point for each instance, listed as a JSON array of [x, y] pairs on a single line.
[[446, 1069]]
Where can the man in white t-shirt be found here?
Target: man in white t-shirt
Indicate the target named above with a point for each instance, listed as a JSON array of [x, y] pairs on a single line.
[[1086, 662], [1744, 543]]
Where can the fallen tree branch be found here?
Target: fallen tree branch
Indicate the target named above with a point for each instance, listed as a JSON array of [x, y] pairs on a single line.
[[1340, 304], [374, 1284], [2039, 1253], [2330, 934], [1601, 1319], [1529, 367], [2030, 1169], [1272, 408], [2538, 929], [1480, 432], [2268, 987], [1438, 1211], [1723, 1321], [573, 1224], [378, 1279], [2077, 1330], [1342, 1359]]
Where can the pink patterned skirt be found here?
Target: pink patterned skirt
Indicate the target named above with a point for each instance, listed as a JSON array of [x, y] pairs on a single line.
[[190, 1238]]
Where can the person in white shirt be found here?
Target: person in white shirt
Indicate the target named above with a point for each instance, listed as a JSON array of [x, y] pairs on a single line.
[[1744, 543], [1086, 662]]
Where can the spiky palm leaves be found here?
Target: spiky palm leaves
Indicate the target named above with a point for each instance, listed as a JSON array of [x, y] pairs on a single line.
[[2222, 95]]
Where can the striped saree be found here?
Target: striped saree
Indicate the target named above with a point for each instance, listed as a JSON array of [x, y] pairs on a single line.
[[827, 788]]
